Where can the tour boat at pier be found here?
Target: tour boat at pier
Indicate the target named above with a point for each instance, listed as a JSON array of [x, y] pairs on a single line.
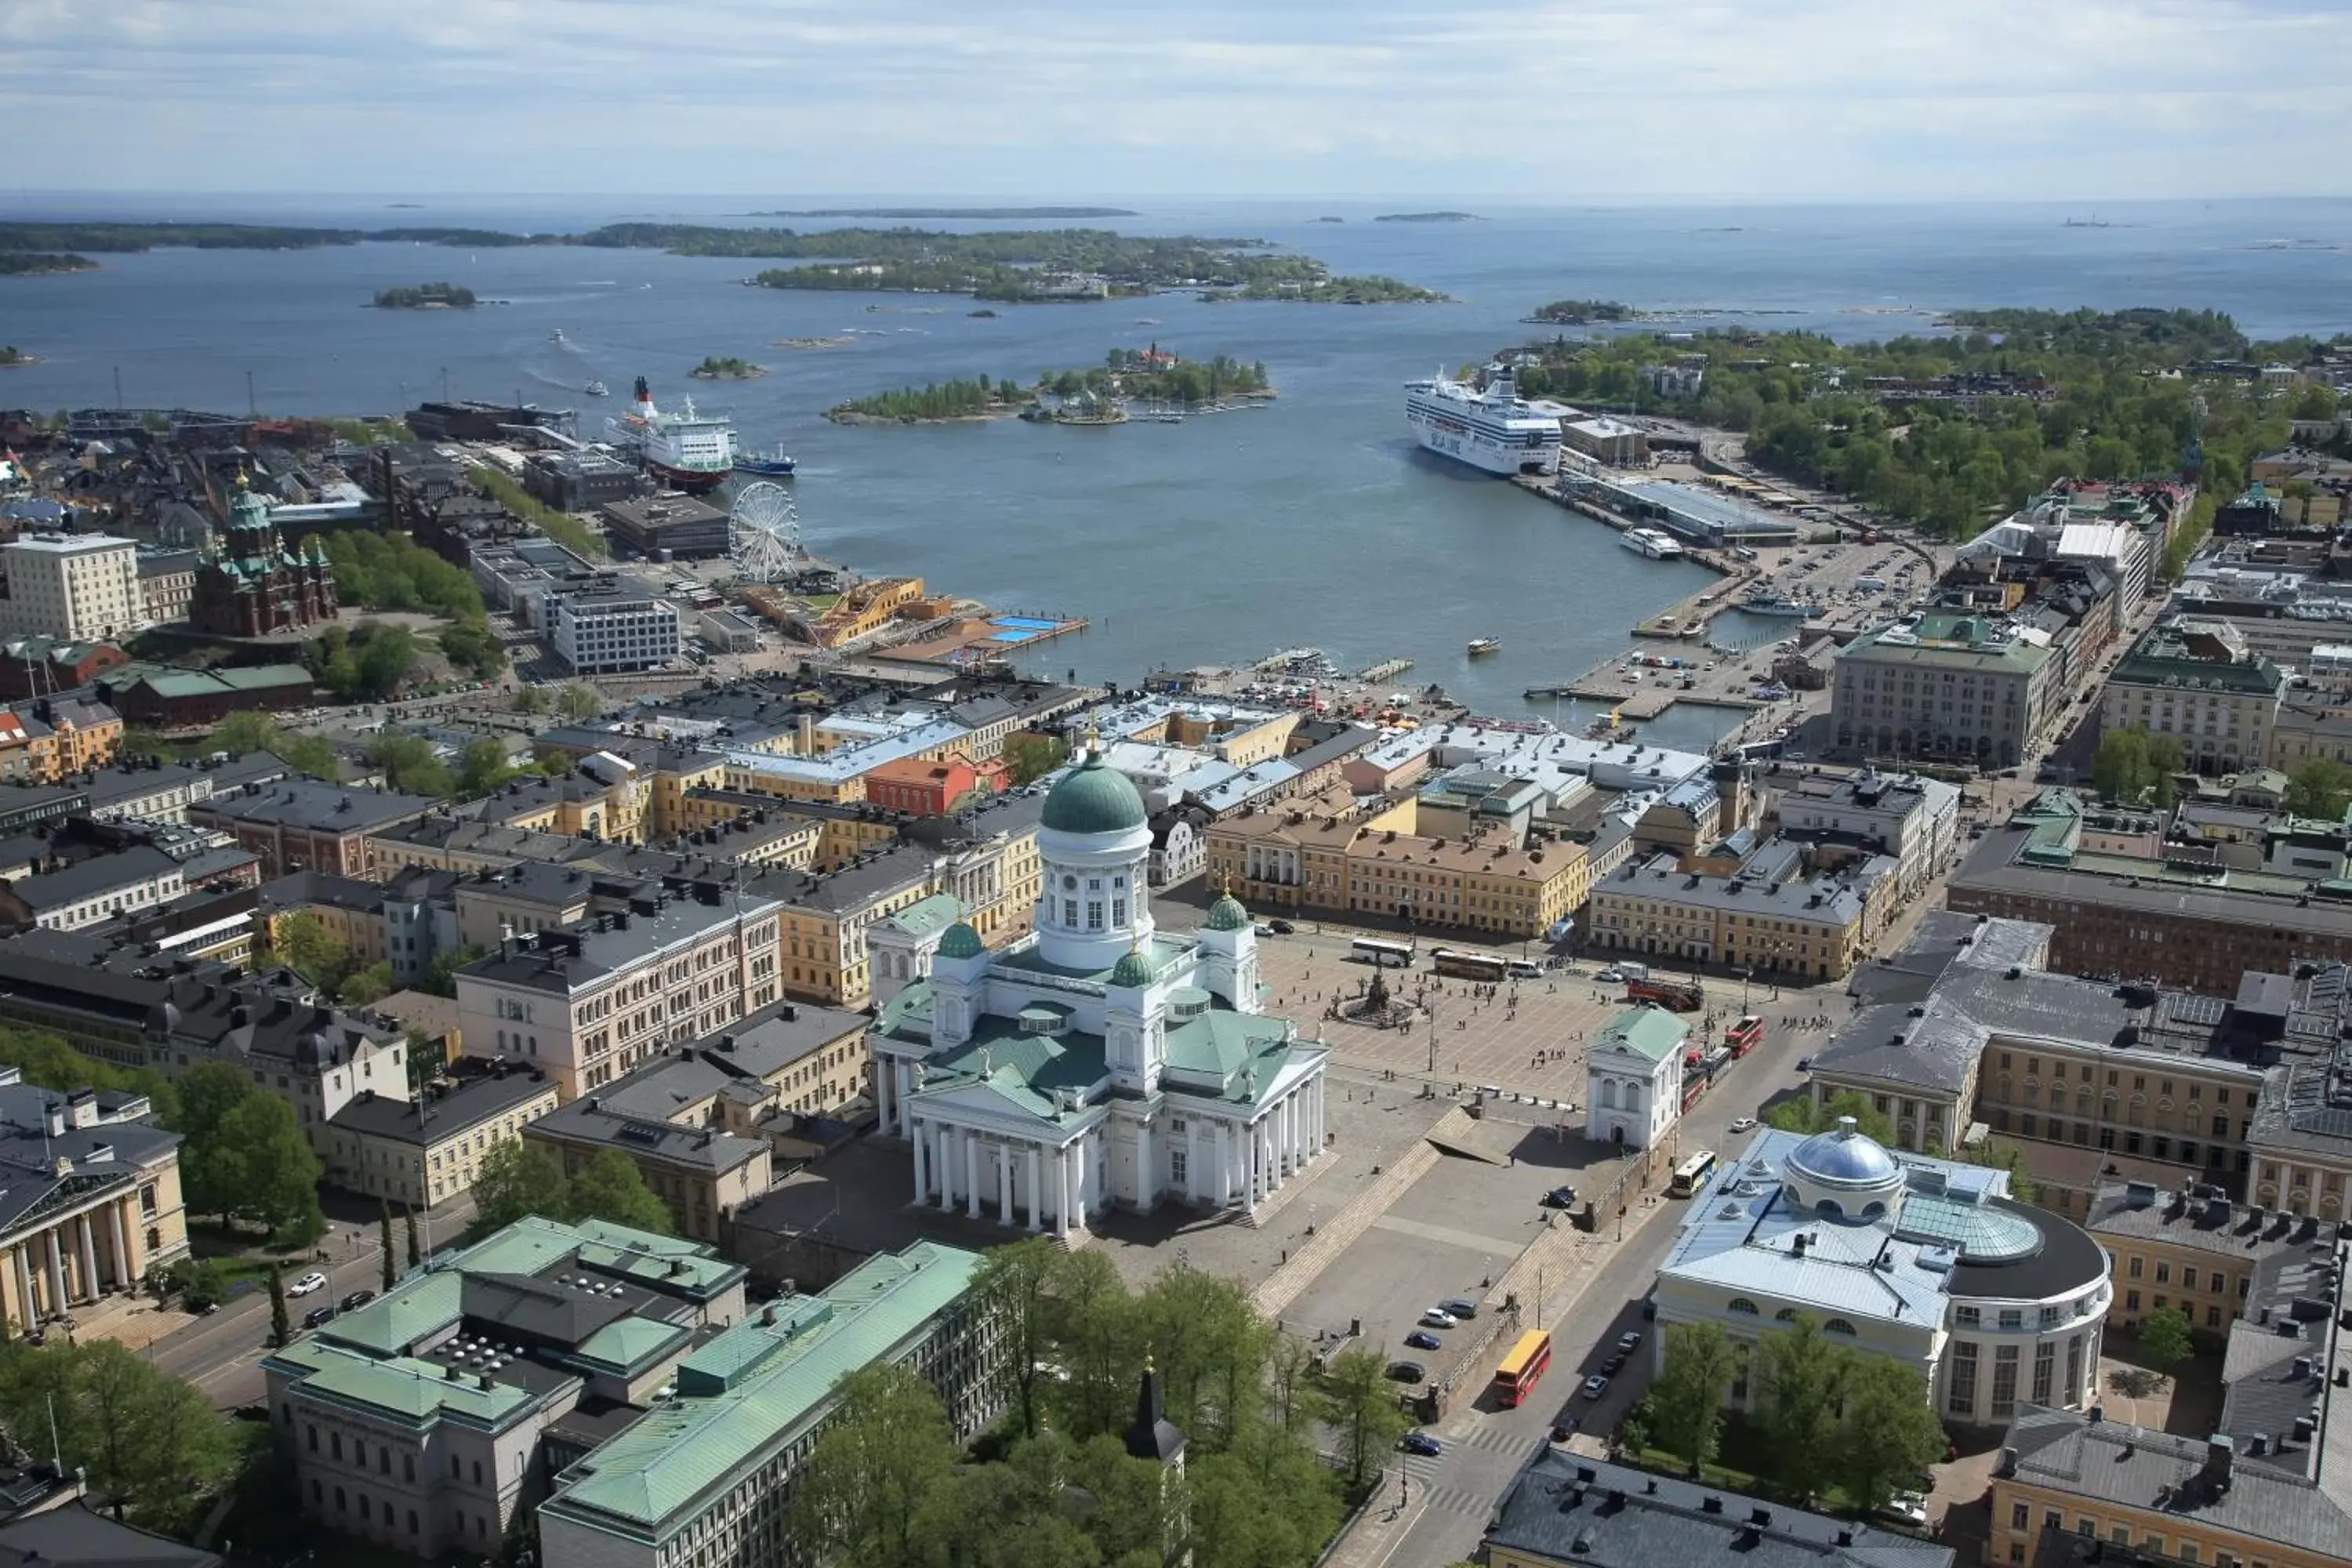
[[1653, 542], [1775, 605], [1494, 429], [692, 452]]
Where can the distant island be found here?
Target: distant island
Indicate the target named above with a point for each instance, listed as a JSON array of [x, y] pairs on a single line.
[[938, 403], [42, 263], [1428, 217], [1033, 264], [1582, 313], [426, 297], [1330, 220], [10, 355], [713, 368], [950, 212], [1096, 396]]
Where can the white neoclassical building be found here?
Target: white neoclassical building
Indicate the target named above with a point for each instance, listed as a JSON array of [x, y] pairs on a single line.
[[1095, 1061], [1633, 1078], [1931, 1262]]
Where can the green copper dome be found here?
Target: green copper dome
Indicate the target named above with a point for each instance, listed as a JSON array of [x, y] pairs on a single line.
[[962, 942], [1093, 798], [1227, 914], [1132, 969]]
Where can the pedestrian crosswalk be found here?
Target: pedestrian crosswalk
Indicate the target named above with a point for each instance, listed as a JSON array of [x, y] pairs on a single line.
[[1457, 1500], [1488, 1437]]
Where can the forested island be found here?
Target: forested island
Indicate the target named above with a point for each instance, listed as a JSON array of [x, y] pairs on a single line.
[[1149, 375], [713, 368], [1952, 431], [426, 297], [42, 263], [1581, 312], [936, 404], [10, 354], [1037, 214], [1012, 264], [1427, 217]]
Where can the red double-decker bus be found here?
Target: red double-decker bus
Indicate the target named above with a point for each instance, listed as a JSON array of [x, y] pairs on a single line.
[[1745, 1036], [1522, 1367]]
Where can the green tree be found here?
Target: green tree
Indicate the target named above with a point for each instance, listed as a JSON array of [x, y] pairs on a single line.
[[46, 1060], [302, 943], [2120, 769], [2320, 787], [145, 1441], [441, 974], [514, 1180], [1211, 1348], [580, 700], [472, 647], [212, 1170], [529, 700], [275, 1172], [1687, 1398], [2163, 1340], [1097, 1344], [408, 1221], [1821, 1116], [1997, 1156], [610, 1188], [1359, 1403], [863, 1488], [1890, 1431], [1015, 1284], [482, 767], [1803, 1376], [1032, 757], [362, 986], [281, 1323], [383, 1240], [411, 763]]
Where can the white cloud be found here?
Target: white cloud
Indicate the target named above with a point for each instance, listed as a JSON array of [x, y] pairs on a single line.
[[1546, 100]]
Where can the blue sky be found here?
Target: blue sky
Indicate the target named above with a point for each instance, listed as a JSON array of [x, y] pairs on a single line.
[[1548, 102]]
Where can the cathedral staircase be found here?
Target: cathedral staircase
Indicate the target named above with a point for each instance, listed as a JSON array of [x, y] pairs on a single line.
[[1336, 1234]]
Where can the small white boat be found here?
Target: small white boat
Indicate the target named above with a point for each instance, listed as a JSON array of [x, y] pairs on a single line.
[[595, 389], [1481, 646]]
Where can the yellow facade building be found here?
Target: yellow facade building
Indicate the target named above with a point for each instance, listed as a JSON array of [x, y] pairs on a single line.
[[95, 1196]]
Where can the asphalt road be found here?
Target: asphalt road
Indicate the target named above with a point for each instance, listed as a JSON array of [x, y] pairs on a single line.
[[1454, 1493]]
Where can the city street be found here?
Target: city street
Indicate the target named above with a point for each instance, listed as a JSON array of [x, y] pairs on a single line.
[[1447, 1498]]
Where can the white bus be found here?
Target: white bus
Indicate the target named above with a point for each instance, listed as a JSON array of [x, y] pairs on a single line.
[[1380, 953]]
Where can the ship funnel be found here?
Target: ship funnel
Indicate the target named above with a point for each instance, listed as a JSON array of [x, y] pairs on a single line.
[[645, 393]]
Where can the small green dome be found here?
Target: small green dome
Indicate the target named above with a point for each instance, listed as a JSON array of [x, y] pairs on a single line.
[[962, 942], [1227, 914], [1093, 798], [1132, 969]]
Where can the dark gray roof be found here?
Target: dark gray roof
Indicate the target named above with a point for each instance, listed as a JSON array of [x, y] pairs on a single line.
[[561, 960], [2066, 1261], [126, 780], [94, 877], [2156, 1473], [73, 1537], [318, 807], [1577, 1510], [321, 887], [589, 1122], [434, 1117], [93, 1158]]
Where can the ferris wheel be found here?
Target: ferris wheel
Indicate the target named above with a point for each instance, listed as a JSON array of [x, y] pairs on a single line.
[[765, 532]]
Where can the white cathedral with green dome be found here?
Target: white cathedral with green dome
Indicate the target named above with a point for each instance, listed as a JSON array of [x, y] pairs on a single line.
[[1095, 1061]]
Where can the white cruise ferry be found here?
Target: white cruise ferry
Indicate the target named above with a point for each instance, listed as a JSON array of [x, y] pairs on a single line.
[[692, 452], [1494, 429], [1655, 544]]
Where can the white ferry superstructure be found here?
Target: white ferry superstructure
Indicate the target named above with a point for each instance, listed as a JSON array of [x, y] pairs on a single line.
[[690, 451], [1495, 430], [1655, 544]]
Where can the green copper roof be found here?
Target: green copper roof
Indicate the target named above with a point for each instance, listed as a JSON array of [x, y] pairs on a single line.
[[1132, 969], [1651, 1033], [1227, 914], [926, 915], [770, 1381], [962, 942], [1093, 798]]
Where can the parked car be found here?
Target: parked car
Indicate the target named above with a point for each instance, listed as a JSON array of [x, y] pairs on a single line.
[[317, 1316], [1804, 1064], [314, 1280], [1906, 1507], [1438, 1318], [1630, 1341], [1406, 1371], [1564, 1428], [1743, 1124], [1421, 1443], [1423, 1340], [1614, 1365], [1595, 1386], [1560, 1198], [1611, 975], [1282, 928], [1460, 1308], [357, 1299]]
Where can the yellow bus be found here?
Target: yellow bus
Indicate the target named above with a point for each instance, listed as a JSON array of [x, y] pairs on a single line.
[[1522, 1367], [1692, 1173]]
